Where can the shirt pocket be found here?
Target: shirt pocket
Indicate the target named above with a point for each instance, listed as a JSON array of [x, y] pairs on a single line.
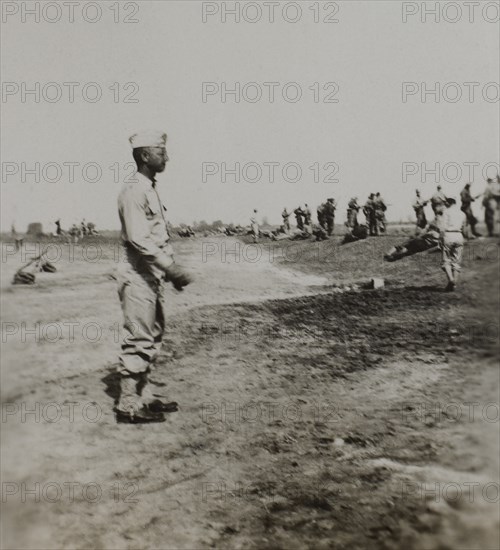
[[152, 206]]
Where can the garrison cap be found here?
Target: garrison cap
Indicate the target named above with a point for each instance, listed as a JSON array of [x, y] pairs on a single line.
[[148, 138]]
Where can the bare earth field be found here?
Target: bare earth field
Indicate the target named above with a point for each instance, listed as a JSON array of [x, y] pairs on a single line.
[[313, 413]]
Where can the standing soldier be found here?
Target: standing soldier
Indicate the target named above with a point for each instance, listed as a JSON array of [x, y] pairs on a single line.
[[254, 224], [75, 233], [419, 207], [18, 240], [380, 209], [329, 213], [438, 201], [299, 213], [286, 219], [490, 204], [451, 225], [320, 212], [369, 212], [148, 265], [307, 215], [352, 213], [467, 200], [91, 228]]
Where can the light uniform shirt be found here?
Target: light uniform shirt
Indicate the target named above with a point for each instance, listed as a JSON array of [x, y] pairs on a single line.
[[418, 204], [438, 198], [144, 226], [452, 219]]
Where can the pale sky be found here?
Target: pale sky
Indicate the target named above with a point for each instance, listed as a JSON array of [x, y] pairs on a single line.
[[170, 52]]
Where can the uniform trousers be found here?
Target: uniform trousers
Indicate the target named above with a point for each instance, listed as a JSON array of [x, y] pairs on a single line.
[[142, 298], [452, 246]]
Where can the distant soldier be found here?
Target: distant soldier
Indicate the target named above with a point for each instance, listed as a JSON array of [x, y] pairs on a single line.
[[451, 226], [490, 204], [91, 230], [329, 213], [18, 240], [254, 224], [371, 219], [467, 200], [83, 227], [419, 207], [58, 227], [380, 210], [75, 233], [352, 213], [299, 216], [438, 201], [286, 219], [320, 212], [307, 215]]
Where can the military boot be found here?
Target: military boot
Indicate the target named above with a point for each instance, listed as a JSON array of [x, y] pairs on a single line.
[[131, 409], [153, 400]]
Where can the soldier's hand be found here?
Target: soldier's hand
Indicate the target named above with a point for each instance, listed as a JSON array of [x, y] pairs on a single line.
[[178, 277]]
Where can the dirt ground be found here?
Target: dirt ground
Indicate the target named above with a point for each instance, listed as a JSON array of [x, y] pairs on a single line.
[[313, 412]]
